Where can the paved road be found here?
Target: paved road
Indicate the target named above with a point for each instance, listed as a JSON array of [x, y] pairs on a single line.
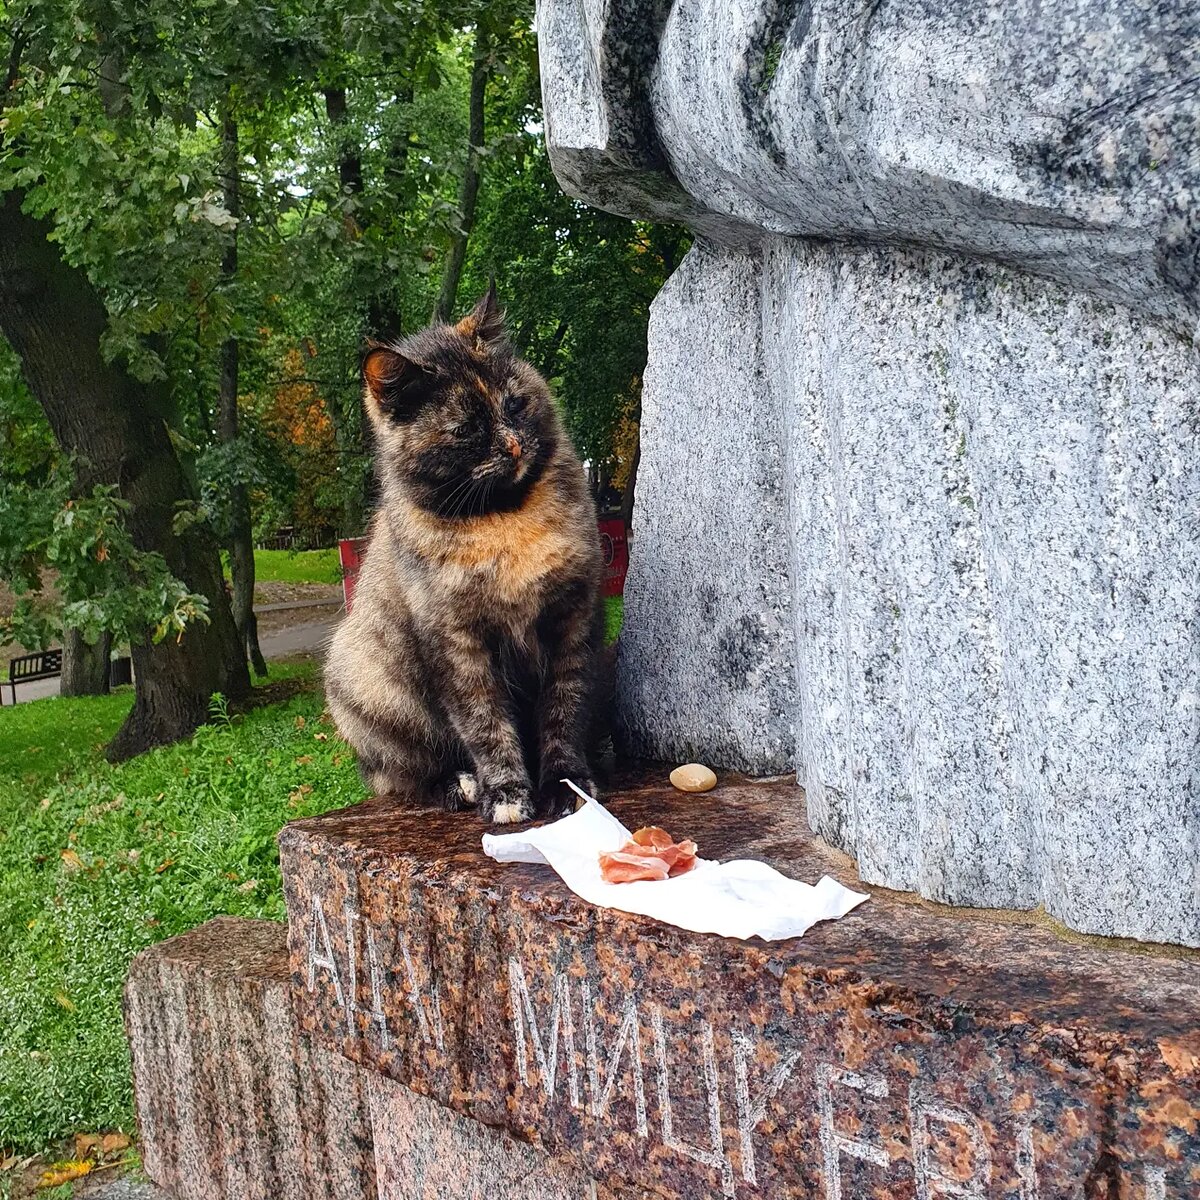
[[125, 1188], [312, 637]]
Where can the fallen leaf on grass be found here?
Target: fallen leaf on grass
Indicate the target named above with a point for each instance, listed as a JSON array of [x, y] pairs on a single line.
[[86, 1144], [162, 866], [72, 860], [321, 737], [303, 760], [300, 722], [110, 1143], [8, 1163], [64, 1001], [295, 797], [248, 886], [59, 1173]]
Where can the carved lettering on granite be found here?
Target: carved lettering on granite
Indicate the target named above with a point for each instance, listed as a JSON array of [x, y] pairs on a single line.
[[558, 1049], [835, 1144], [627, 1040], [695, 1067]]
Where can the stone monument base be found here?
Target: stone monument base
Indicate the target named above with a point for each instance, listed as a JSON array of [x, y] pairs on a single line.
[[234, 1103], [442, 1025]]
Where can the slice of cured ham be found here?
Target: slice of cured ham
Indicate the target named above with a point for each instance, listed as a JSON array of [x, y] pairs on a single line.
[[652, 854]]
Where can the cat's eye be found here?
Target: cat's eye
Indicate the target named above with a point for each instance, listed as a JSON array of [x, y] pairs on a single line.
[[515, 404]]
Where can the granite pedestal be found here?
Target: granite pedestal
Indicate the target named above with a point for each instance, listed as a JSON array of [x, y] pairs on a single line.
[[235, 1103], [906, 1051]]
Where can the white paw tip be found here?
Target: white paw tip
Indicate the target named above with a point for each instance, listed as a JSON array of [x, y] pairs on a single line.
[[468, 786], [507, 814]]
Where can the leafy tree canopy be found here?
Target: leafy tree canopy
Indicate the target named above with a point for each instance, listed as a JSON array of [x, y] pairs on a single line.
[[352, 139]]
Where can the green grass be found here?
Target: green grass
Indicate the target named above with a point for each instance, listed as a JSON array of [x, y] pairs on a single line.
[[41, 738], [98, 861], [294, 566], [614, 614]]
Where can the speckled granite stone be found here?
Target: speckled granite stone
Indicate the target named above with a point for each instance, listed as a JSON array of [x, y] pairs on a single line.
[[705, 664], [902, 1053], [232, 1103], [917, 524], [1063, 138], [954, 580], [427, 1152], [127, 1188]]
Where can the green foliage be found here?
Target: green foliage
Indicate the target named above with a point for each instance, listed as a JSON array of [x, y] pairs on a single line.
[[97, 862], [103, 583], [577, 282], [352, 127]]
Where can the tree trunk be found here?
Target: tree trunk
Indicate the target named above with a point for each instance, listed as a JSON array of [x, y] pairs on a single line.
[[241, 538], [113, 427], [550, 365], [468, 192], [350, 171], [631, 482], [384, 321], [84, 667]]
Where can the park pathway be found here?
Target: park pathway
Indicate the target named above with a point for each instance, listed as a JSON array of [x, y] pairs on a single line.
[[309, 637]]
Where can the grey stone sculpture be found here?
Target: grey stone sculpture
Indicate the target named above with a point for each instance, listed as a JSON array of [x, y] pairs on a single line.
[[919, 498]]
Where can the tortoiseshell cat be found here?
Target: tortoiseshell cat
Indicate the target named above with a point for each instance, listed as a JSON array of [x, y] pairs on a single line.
[[466, 668]]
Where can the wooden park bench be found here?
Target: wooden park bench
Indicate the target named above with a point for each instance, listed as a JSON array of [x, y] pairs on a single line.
[[45, 665]]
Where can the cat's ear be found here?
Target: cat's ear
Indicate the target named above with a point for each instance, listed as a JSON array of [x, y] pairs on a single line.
[[485, 322], [394, 383]]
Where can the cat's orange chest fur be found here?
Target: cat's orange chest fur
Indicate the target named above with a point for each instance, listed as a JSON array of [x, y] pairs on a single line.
[[514, 550]]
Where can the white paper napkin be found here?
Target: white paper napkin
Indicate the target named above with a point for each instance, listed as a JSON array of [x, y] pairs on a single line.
[[741, 899]]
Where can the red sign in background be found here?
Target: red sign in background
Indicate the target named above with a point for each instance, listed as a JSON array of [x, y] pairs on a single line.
[[614, 545]]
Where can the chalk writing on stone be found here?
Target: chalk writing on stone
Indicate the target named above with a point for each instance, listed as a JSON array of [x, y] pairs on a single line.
[[546, 1043], [752, 1113], [430, 1027], [364, 951], [1027, 1164], [930, 1180], [324, 960], [375, 1013], [1156, 1183], [835, 1145]]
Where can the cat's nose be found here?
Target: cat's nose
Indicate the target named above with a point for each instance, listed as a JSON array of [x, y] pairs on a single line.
[[512, 445]]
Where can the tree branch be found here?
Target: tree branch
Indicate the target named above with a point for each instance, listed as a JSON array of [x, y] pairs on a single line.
[[20, 41]]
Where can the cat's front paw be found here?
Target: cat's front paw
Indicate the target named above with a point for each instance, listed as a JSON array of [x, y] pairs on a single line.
[[555, 799], [458, 792], [506, 803]]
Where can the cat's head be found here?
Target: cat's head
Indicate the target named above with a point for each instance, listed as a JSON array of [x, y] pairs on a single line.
[[463, 424]]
